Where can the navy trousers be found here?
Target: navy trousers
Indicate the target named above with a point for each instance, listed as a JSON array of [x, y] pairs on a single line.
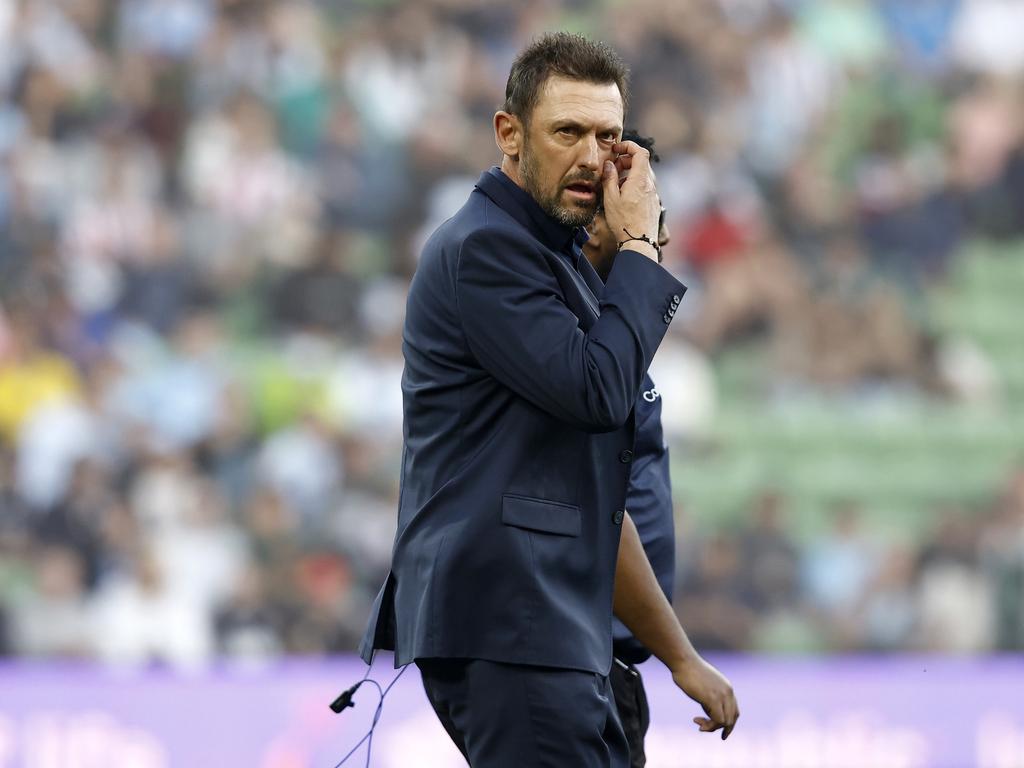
[[631, 703], [517, 716]]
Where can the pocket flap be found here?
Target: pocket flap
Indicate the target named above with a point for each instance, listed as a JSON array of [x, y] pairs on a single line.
[[540, 515]]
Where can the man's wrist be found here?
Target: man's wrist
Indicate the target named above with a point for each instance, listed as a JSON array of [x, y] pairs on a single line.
[[629, 238], [642, 247], [682, 658]]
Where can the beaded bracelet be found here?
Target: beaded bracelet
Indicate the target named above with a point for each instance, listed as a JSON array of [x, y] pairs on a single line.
[[645, 238]]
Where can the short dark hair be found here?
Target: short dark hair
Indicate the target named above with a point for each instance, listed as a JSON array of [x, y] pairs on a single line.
[[647, 142], [567, 55]]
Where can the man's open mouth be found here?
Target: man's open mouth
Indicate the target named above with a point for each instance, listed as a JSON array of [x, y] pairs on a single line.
[[583, 189]]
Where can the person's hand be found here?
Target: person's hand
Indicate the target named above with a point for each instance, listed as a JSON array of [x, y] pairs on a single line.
[[631, 205], [709, 688]]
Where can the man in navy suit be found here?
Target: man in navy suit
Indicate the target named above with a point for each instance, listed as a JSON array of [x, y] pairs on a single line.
[[519, 391], [648, 499]]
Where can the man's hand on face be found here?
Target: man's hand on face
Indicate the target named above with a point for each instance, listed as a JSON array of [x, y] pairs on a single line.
[[631, 205]]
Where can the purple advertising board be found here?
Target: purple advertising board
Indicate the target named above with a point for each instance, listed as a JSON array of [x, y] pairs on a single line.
[[900, 712]]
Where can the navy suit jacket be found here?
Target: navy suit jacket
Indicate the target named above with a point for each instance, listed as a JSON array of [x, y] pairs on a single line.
[[519, 388]]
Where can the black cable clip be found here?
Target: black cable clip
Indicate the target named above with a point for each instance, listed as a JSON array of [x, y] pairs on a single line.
[[344, 699]]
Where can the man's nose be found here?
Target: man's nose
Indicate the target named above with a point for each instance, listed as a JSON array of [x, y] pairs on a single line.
[[590, 154]]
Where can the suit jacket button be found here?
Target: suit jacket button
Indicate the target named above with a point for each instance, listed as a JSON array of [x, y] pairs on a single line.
[[676, 299], [617, 517], [626, 456], [666, 318]]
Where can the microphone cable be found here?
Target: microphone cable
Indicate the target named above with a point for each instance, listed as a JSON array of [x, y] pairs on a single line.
[[344, 700]]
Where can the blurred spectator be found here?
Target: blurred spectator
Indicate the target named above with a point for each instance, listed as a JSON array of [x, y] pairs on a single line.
[[227, 454], [30, 375], [328, 621], [758, 292], [14, 515], [712, 598], [6, 648], [838, 564], [147, 620], [165, 27], [303, 465], [957, 599], [920, 31], [321, 295], [982, 36], [203, 554], [172, 391], [248, 626], [75, 521], [686, 381], [53, 440], [17, 569], [1002, 552], [166, 491], [790, 86], [888, 611], [853, 332], [53, 619], [986, 132], [158, 286], [770, 557]]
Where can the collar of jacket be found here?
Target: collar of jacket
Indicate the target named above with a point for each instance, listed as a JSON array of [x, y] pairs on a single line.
[[516, 201]]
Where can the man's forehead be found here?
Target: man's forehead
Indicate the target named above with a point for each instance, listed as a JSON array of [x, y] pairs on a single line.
[[580, 101]]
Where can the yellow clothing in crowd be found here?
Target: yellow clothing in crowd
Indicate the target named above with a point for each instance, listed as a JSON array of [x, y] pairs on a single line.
[[27, 384]]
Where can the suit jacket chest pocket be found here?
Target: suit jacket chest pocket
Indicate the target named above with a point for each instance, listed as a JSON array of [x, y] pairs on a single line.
[[540, 515]]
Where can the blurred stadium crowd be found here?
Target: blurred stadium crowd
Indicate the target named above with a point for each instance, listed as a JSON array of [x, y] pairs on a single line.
[[209, 214]]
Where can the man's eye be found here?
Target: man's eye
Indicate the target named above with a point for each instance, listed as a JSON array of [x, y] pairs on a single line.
[[567, 131]]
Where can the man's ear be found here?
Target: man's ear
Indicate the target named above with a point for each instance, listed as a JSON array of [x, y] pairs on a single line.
[[508, 133]]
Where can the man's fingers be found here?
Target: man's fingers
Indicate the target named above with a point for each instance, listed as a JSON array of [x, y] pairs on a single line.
[[624, 165], [717, 713], [707, 725], [610, 180], [628, 148], [629, 154], [635, 165], [732, 714], [722, 716]]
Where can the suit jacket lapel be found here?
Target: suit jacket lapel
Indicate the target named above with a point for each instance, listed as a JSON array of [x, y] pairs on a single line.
[[594, 282]]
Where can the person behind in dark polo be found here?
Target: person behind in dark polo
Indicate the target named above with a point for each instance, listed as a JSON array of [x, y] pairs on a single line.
[[648, 499], [522, 370]]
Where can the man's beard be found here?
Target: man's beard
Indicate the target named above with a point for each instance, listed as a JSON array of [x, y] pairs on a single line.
[[580, 214]]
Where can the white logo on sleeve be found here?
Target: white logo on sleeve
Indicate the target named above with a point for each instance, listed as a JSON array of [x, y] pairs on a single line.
[[652, 394]]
